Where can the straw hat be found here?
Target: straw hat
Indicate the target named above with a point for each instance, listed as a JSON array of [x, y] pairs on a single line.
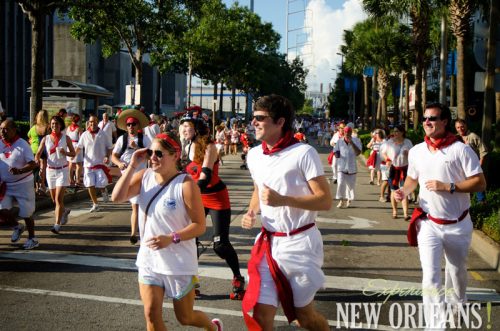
[[121, 122]]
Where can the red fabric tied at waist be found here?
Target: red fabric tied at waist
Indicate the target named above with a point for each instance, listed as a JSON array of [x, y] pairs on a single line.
[[372, 159], [58, 168], [105, 169], [420, 213], [398, 174], [285, 294]]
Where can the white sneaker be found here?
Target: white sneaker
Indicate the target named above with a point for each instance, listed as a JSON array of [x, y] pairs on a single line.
[[218, 324], [105, 196], [64, 217], [347, 204], [95, 208], [31, 243], [341, 204], [18, 230]]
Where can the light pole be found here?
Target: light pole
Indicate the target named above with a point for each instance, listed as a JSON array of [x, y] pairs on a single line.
[[341, 61]]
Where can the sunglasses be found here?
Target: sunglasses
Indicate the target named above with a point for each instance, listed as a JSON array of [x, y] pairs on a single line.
[[260, 118], [430, 118], [157, 153], [132, 124]]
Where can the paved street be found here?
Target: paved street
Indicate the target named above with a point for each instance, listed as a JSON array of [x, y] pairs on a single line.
[[84, 279]]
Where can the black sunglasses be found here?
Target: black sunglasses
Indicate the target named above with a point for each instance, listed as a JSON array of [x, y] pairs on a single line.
[[260, 118], [430, 118], [157, 153], [132, 124]]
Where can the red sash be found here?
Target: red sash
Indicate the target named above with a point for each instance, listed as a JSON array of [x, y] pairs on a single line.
[[285, 294], [57, 138], [106, 171], [9, 146]]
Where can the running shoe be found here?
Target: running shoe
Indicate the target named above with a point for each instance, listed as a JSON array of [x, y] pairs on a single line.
[[31, 243], [105, 196], [95, 208], [55, 229], [218, 324], [341, 204], [64, 218], [18, 230]]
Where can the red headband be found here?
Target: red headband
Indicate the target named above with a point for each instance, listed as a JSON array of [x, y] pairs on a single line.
[[171, 142], [131, 120]]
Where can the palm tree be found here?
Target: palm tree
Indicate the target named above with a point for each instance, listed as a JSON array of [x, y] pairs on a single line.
[[460, 18]]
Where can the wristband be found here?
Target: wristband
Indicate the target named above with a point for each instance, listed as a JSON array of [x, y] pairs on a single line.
[[176, 238]]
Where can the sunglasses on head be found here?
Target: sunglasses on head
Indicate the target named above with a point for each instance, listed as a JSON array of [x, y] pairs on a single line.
[[157, 153], [430, 118], [132, 124], [260, 118]]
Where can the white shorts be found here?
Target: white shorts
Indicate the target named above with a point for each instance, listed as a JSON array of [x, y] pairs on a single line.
[[94, 177], [134, 200], [57, 177], [175, 286], [300, 257], [24, 194], [384, 170], [219, 147]]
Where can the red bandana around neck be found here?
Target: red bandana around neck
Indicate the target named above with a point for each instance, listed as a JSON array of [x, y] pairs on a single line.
[[9, 146], [443, 142], [287, 140], [57, 138], [73, 127], [94, 132]]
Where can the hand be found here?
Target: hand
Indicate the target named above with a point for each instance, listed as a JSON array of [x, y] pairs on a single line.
[[62, 151], [248, 220], [106, 160], [158, 242], [399, 195], [122, 166], [138, 157], [270, 197], [436, 185], [14, 171], [132, 144]]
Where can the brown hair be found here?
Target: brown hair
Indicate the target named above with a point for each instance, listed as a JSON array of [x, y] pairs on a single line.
[[171, 149]]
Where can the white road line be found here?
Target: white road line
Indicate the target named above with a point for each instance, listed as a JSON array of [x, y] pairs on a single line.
[[382, 287], [166, 305]]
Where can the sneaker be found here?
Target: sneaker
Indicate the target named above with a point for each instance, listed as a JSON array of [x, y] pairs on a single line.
[[347, 204], [95, 208], [31, 243], [18, 230], [238, 288], [382, 199], [341, 204], [218, 324], [105, 196], [55, 229], [64, 218], [371, 182]]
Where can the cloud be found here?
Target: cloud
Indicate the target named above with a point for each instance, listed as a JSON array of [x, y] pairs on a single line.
[[325, 37]]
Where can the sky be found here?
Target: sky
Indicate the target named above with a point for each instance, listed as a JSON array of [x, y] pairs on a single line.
[[319, 43]]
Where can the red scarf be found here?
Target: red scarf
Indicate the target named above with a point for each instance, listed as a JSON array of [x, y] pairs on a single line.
[[440, 143], [284, 142], [9, 145], [57, 138], [93, 133], [73, 127], [263, 248]]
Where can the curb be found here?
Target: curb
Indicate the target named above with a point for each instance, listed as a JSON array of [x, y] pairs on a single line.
[[486, 248]]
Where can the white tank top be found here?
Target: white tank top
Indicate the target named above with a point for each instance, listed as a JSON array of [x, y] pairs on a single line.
[[166, 214], [52, 159]]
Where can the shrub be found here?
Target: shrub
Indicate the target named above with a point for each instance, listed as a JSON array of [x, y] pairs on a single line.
[[22, 128], [485, 216]]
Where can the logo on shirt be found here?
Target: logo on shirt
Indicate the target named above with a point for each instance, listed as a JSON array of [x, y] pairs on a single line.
[[170, 204]]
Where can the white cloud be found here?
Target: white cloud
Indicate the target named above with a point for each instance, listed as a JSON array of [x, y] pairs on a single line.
[[328, 27]]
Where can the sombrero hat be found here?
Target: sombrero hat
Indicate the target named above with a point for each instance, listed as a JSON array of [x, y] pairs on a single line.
[[121, 122]]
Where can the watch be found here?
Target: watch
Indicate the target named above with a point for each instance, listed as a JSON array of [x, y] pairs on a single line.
[[176, 238], [452, 188]]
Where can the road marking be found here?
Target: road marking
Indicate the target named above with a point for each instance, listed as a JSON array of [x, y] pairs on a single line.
[[355, 222], [376, 286], [476, 275], [166, 305]]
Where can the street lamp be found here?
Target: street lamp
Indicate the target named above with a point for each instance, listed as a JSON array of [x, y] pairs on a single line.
[[341, 61]]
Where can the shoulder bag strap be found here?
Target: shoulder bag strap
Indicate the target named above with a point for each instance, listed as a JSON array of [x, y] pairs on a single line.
[[156, 194]]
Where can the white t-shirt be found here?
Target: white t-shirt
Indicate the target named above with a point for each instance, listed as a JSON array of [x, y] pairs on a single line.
[[15, 156], [452, 164], [346, 163], [396, 152], [52, 159], [96, 148], [127, 154], [151, 131], [109, 128], [166, 214], [286, 172]]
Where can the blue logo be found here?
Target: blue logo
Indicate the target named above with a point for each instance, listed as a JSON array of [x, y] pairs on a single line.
[[170, 204]]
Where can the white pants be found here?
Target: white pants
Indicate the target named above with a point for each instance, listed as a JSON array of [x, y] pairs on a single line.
[[454, 241], [345, 186], [334, 168]]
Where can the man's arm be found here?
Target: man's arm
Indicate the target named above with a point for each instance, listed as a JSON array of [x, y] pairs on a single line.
[[319, 199], [475, 183], [248, 220]]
